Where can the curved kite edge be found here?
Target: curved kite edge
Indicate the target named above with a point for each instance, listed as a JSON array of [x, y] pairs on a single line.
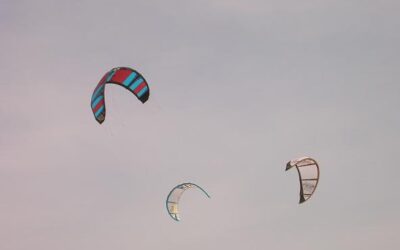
[[204, 191]]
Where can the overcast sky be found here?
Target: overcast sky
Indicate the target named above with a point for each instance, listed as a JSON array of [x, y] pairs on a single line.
[[238, 88]]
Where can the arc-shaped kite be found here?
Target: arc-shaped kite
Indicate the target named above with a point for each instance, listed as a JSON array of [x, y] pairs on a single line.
[[125, 77], [174, 196], [308, 170]]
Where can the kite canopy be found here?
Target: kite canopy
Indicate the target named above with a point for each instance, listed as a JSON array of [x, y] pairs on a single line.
[[308, 170], [125, 77], [174, 196]]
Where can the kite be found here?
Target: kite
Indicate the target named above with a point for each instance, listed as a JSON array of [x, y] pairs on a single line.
[[308, 170], [174, 196], [125, 77]]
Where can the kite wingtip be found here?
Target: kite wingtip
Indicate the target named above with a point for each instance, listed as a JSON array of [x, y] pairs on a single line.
[[288, 166]]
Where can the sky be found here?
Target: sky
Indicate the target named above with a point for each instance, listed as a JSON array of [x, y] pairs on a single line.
[[238, 88]]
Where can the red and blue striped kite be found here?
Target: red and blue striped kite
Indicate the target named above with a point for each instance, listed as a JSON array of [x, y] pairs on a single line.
[[127, 78]]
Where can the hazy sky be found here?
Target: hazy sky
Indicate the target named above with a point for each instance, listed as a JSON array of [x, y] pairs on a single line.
[[238, 88]]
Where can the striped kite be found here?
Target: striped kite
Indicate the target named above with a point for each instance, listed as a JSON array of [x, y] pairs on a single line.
[[125, 77]]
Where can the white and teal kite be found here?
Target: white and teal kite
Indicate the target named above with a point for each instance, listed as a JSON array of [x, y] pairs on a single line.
[[174, 196]]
